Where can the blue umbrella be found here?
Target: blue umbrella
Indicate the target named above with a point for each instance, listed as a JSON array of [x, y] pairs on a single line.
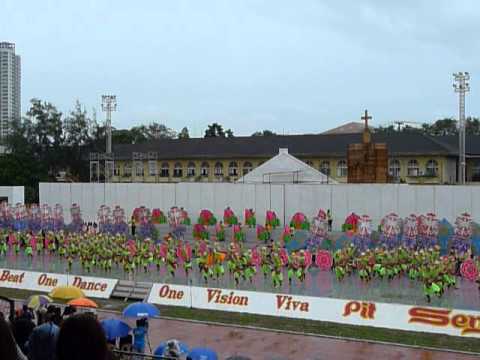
[[140, 310], [161, 348], [202, 354], [115, 328]]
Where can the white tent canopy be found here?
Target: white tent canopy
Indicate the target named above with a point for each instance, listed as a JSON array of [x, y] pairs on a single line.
[[283, 169]]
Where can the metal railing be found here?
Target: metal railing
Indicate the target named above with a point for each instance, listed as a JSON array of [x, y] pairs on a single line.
[[130, 355]]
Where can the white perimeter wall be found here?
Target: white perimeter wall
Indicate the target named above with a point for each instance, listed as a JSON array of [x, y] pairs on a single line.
[[15, 194], [372, 199]]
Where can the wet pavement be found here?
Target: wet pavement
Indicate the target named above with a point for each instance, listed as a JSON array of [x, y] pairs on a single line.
[[269, 345], [317, 283]]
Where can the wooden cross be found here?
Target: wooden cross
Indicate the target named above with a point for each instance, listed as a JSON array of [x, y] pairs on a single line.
[[365, 118]]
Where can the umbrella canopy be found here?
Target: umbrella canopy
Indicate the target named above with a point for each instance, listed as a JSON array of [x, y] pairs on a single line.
[[202, 354], [115, 328], [161, 348], [66, 293], [36, 301], [83, 302], [141, 309]]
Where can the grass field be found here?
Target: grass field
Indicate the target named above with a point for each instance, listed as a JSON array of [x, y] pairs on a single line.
[[295, 325]]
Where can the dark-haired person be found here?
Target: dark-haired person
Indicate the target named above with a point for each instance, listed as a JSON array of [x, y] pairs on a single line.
[[9, 349], [43, 340], [82, 337]]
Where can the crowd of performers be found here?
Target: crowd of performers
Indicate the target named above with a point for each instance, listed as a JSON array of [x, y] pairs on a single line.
[[407, 247]]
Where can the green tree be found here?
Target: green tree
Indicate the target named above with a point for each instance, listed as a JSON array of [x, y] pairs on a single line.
[[184, 134], [216, 130], [264, 133]]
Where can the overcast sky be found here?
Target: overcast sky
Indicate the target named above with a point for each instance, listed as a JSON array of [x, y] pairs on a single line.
[[290, 66]]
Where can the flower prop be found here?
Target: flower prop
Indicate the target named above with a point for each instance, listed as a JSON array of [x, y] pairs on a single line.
[[7, 215], [238, 233], [324, 260], [158, 217], [250, 219], [20, 222], [34, 218], [461, 241], [287, 234], [271, 219], [318, 232], [428, 230], [469, 270], [207, 218], [362, 239], [229, 217], [262, 233], [220, 232], [410, 231], [200, 232], [185, 219], [322, 214], [47, 218], [351, 223], [119, 224], [76, 216], [390, 230], [299, 222], [104, 217]]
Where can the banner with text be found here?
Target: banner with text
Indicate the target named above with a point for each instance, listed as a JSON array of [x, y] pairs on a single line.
[[352, 312], [45, 282]]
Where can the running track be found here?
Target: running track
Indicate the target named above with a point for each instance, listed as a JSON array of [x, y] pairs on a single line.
[[269, 345]]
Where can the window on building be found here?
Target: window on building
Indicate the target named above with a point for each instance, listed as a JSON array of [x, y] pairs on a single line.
[[232, 169], [342, 169], [152, 168], [139, 169], [165, 170], [117, 171], [432, 168], [325, 167], [218, 171], [309, 163], [177, 170], [476, 171], [394, 168], [413, 169], [247, 167], [204, 169], [127, 169], [191, 169]]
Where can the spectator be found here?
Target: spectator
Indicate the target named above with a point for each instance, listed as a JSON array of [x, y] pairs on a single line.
[[9, 349], [139, 335], [22, 328], [43, 340], [172, 350], [82, 338], [329, 219]]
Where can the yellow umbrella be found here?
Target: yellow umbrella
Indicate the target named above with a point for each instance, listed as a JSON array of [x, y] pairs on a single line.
[[83, 302], [66, 293]]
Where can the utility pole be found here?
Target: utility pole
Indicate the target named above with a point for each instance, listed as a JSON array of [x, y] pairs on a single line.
[[109, 105], [461, 86]]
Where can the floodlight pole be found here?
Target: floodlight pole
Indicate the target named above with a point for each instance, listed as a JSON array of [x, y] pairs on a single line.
[[109, 105], [461, 86]]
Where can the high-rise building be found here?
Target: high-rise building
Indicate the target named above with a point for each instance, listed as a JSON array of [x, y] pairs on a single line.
[[9, 88]]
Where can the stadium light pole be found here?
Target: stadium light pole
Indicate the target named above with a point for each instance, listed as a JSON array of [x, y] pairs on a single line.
[[109, 105], [461, 86]]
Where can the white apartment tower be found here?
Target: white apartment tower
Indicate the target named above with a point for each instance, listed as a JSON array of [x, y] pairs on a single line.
[[9, 88]]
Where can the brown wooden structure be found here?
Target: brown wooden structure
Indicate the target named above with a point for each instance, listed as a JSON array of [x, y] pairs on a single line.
[[367, 162]]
